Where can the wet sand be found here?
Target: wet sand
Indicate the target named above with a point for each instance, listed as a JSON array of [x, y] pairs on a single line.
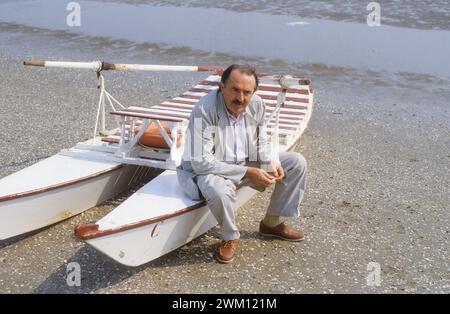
[[378, 191], [303, 40], [419, 15]]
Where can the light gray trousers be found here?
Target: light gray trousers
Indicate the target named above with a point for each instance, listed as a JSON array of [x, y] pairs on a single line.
[[220, 194]]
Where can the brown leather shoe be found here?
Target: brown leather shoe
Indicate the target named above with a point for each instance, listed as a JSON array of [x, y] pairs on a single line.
[[227, 250], [281, 231]]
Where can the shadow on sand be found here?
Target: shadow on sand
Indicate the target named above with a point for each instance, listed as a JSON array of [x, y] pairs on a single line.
[[99, 271]]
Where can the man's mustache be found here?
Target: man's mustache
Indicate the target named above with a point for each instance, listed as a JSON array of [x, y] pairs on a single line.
[[237, 102]]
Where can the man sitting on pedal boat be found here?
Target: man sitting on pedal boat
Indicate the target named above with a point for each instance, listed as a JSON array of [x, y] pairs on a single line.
[[227, 148]]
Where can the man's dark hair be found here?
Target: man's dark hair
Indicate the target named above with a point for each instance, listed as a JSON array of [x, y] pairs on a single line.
[[247, 69]]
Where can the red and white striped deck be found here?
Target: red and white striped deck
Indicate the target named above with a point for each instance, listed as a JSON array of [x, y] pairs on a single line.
[[292, 114]]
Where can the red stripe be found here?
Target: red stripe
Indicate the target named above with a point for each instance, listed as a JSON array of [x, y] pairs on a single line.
[[111, 140], [173, 110], [269, 109], [294, 118], [182, 102], [176, 106], [173, 113], [278, 89], [283, 127], [294, 122], [287, 106], [154, 112], [217, 70], [209, 83], [201, 90], [156, 116], [286, 110], [302, 100]]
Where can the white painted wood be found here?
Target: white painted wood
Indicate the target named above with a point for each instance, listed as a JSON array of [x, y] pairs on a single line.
[[54, 170], [28, 213], [207, 88], [96, 65], [164, 111], [214, 87], [297, 87], [137, 246], [269, 93], [187, 100], [161, 196], [150, 67], [213, 78]]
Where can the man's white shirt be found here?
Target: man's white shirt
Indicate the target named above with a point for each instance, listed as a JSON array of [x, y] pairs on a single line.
[[236, 147]]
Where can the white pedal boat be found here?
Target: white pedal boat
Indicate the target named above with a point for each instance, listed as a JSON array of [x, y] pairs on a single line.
[[159, 217], [154, 221]]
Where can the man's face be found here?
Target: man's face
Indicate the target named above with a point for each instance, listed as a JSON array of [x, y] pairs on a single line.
[[238, 91]]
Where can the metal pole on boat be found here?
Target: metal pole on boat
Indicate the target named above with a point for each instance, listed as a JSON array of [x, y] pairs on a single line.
[[104, 66], [286, 81]]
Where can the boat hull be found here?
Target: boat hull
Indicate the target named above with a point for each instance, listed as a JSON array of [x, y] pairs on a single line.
[[23, 210], [141, 245]]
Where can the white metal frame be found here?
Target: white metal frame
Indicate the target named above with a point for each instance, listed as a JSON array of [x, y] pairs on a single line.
[[101, 105], [128, 150]]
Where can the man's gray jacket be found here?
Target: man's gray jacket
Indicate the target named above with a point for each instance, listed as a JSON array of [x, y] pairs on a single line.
[[206, 139]]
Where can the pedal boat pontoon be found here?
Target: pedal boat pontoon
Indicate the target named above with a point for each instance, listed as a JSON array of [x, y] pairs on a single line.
[[159, 217]]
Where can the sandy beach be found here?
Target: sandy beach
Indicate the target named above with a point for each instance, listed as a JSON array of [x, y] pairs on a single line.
[[378, 185], [377, 192]]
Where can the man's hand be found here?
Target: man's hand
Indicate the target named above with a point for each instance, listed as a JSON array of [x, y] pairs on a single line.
[[276, 172], [259, 177], [279, 174]]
